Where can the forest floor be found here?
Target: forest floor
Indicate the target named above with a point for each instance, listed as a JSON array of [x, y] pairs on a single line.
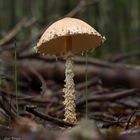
[[111, 105]]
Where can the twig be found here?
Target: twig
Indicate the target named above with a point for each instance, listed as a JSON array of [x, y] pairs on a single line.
[[90, 82], [108, 97], [130, 118], [13, 32], [77, 9], [81, 6], [8, 108], [130, 132], [123, 56], [31, 99], [48, 117], [25, 43], [40, 77], [30, 23]]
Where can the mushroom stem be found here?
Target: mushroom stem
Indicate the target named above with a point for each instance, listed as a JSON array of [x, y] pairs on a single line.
[[69, 92]]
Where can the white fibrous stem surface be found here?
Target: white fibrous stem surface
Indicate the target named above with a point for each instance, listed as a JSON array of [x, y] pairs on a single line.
[[69, 92]]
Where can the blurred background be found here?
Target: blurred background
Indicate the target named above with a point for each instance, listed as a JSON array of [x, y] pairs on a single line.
[[117, 20]]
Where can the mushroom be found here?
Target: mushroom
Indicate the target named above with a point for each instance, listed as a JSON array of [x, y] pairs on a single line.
[[65, 38]]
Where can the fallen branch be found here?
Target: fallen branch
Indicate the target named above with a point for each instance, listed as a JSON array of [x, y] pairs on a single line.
[[13, 32], [108, 73], [108, 97], [48, 117], [123, 56], [81, 6]]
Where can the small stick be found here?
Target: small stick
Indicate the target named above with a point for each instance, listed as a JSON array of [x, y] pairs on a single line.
[[131, 116], [48, 117]]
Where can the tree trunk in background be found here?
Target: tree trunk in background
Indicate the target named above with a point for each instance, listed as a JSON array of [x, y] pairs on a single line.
[[65, 7], [138, 4], [103, 21], [12, 13], [27, 12], [5, 15], [45, 12]]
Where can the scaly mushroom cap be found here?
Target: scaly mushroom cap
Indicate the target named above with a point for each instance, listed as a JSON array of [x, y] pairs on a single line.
[[83, 37]]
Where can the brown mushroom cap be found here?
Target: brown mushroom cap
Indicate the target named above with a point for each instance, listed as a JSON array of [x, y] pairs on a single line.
[[83, 37]]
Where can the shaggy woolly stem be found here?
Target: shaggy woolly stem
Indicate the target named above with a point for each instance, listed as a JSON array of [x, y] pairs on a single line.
[[69, 93]]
